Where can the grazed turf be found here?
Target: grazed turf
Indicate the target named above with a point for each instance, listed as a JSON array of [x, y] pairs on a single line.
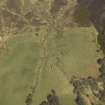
[[17, 67]]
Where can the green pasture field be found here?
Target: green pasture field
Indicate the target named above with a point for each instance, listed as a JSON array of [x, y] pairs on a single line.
[[18, 62]]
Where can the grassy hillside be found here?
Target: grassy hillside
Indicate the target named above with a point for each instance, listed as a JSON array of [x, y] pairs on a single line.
[[18, 62]]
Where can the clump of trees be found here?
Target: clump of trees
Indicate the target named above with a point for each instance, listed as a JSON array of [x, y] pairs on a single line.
[[29, 99], [88, 91], [52, 99]]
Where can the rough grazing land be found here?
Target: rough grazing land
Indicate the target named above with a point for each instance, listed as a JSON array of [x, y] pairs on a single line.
[[41, 48], [18, 65]]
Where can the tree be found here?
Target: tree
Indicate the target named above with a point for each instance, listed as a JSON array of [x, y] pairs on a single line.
[[52, 99]]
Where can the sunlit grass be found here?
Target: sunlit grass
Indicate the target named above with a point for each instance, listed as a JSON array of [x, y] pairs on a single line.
[[17, 67]]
